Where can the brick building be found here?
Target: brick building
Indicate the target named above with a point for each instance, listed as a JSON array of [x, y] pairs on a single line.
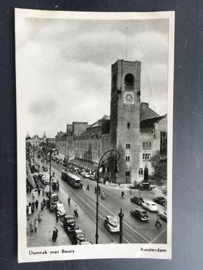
[[133, 129]]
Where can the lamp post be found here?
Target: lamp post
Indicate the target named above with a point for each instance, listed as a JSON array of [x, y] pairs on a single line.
[[121, 215], [50, 154], [115, 155]]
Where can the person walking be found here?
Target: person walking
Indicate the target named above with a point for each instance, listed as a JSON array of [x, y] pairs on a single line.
[[76, 210], [36, 225], [36, 204], [29, 210], [33, 208], [69, 199], [122, 194], [95, 190], [55, 234], [31, 226], [158, 221], [42, 205], [40, 216], [103, 196], [88, 187]]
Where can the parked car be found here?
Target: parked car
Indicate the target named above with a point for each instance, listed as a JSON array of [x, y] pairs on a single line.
[[86, 175], [77, 237], [163, 216], [160, 200], [139, 214], [150, 206], [69, 224], [60, 209], [112, 224], [137, 200]]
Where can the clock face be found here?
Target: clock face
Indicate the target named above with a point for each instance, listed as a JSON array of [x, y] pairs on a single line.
[[129, 98]]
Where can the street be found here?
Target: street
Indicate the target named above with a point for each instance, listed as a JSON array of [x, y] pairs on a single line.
[[134, 231]]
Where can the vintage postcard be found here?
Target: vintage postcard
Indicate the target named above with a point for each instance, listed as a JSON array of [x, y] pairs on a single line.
[[94, 127]]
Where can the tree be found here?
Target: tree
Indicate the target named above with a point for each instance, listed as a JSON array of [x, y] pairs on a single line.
[[160, 168]]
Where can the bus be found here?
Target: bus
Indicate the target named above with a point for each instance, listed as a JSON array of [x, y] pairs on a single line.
[[71, 179]]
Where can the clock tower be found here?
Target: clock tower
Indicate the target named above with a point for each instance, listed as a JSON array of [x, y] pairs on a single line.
[[125, 119]]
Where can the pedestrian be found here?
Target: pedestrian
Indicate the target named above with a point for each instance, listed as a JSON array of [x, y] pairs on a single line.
[[33, 208], [95, 190], [57, 216], [88, 187], [42, 205], [47, 204], [69, 199], [44, 201], [76, 210], [103, 196], [36, 225], [99, 189], [158, 221], [122, 194], [31, 226], [40, 216], [29, 210], [36, 204], [55, 234]]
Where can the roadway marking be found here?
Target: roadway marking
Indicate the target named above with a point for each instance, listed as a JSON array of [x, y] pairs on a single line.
[[158, 235], [108, 211]]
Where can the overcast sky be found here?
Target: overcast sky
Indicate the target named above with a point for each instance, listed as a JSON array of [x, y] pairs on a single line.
[[64, 68]]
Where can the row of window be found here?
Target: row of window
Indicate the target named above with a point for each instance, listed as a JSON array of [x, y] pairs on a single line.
[[145, 156]]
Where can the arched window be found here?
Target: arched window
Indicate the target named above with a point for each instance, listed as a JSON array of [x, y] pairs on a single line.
[[129, 80]]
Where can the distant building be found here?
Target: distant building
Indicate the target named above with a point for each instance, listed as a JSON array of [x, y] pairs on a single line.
[[133, 129], [36, 140]]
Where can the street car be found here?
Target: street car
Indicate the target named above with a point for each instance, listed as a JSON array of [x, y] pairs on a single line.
[[160, 200], [139, 214], [163, 216], [69, 224], [150, 206], [77, 237], [112, 224], [137, 200]]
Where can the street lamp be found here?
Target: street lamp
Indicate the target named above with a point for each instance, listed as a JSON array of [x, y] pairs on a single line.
[[50, 154], [115, 155], [121, 215]]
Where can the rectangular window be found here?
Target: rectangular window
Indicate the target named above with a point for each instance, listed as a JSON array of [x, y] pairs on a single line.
[[127, 146], [127, 158], [127, 173]]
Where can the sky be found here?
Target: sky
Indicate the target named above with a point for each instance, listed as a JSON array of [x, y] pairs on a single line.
[[63, 68]]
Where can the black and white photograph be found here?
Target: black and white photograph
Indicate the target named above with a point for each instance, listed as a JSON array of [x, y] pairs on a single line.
[[94, 98]]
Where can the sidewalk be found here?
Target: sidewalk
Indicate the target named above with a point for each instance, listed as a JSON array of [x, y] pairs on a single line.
[[43, 236]]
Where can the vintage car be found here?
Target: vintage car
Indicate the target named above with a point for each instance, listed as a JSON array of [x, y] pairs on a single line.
[[69, 224], [77, 237], [60, 209], [163, 216], [141, 215], [150, 206], [160, 200], [112, 224], [137, 200]]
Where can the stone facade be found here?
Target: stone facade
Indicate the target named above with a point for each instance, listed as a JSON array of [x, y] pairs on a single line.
[[133, 129]]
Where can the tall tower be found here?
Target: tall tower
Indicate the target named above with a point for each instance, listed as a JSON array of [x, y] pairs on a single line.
[[125, 119]]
